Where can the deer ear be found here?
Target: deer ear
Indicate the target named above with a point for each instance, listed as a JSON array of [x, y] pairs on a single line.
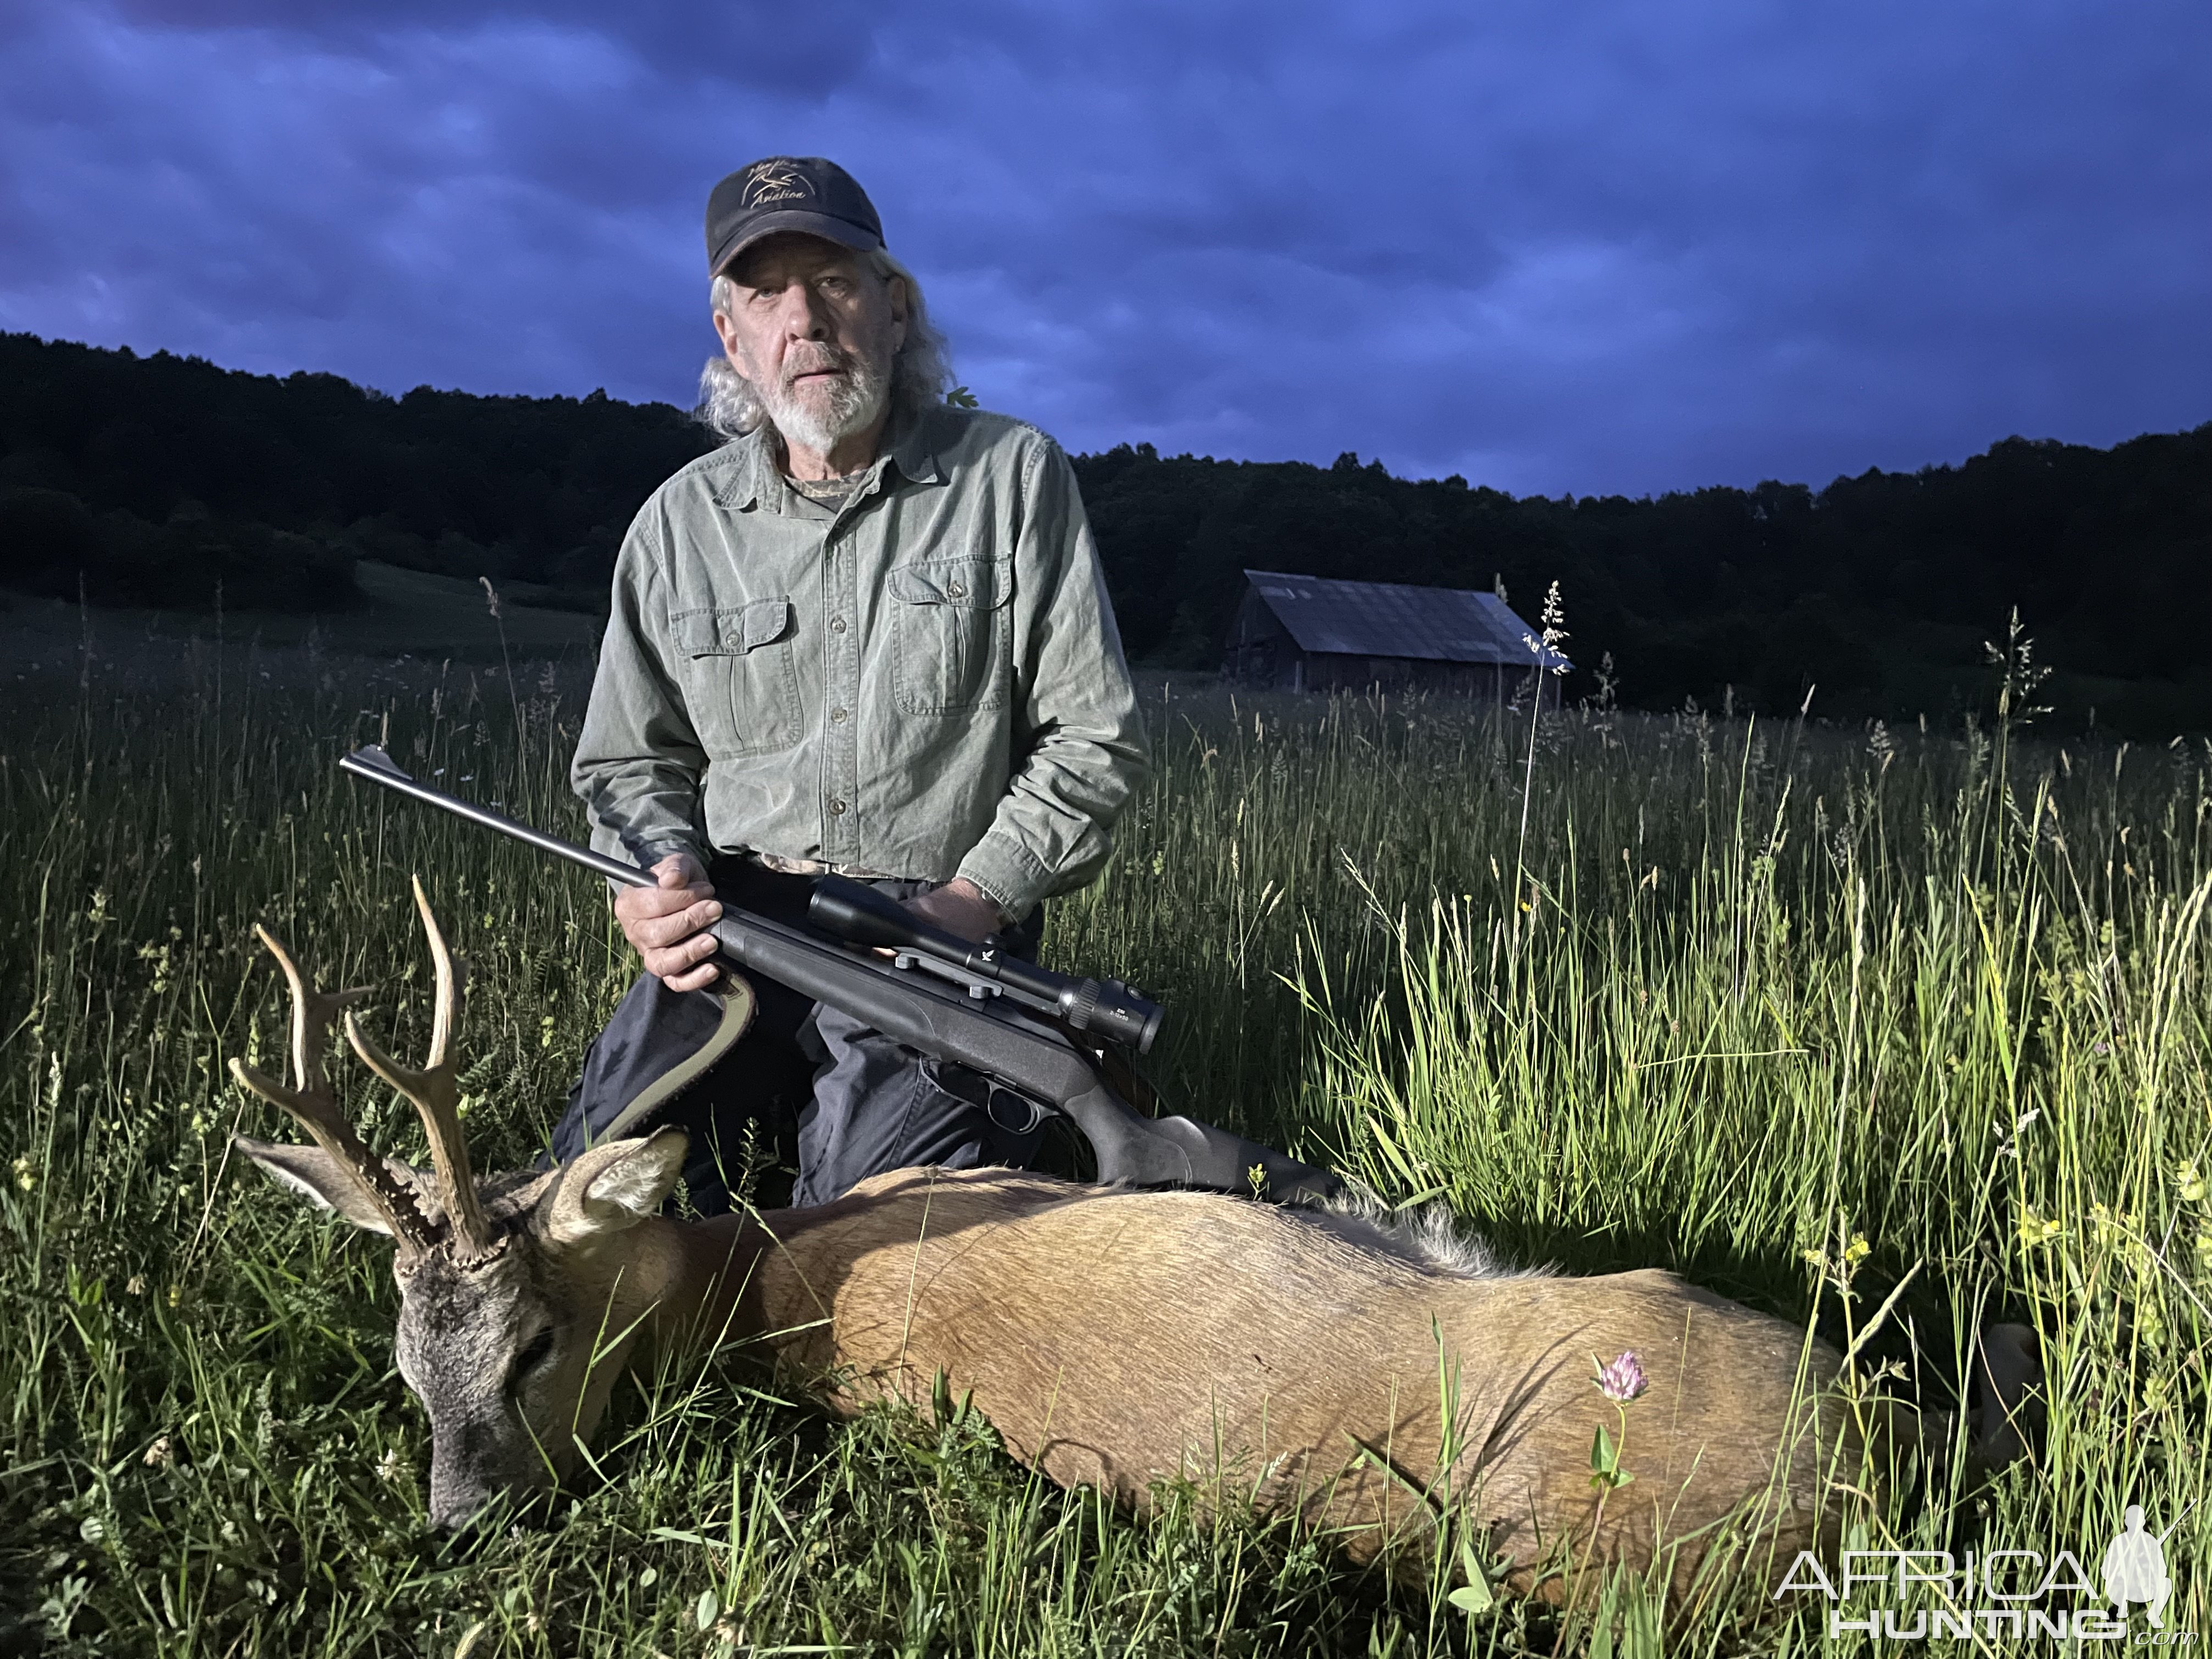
[[320, 1179], [614, 1186]]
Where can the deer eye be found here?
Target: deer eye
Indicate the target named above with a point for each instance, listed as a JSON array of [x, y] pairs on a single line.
[[532, 1356]]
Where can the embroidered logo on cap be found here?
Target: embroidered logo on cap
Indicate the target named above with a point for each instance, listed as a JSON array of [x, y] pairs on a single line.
[[775, 182]]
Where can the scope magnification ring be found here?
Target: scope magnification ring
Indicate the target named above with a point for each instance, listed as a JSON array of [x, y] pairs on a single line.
[[1085, 1007]]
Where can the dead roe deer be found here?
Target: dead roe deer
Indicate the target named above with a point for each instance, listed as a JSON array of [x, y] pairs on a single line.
[[1316, 1360]]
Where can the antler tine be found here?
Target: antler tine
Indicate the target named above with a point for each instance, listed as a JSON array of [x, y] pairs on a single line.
[[312, 1104], [446, 1016], [434, 1088]]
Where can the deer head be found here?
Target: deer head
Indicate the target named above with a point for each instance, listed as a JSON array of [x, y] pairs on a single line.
[[520, 1296]]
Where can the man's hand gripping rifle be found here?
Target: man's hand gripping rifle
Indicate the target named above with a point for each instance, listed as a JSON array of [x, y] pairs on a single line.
[[973, 1005]]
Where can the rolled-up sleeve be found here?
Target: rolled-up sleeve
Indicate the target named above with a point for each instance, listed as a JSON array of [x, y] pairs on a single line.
[[639, 762], [1086, 752]]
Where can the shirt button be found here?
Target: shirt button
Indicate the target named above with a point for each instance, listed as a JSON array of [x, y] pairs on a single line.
[[838, 716], [837, 624], [954, 591], [836, 809]]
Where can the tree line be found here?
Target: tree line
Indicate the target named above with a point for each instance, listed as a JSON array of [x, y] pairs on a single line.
[[161, 480], [150, 480]]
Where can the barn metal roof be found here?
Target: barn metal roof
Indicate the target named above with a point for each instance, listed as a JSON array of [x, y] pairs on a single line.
[[1388, 619]]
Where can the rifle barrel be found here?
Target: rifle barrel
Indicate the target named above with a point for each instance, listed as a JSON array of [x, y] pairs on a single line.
[[372, 762]]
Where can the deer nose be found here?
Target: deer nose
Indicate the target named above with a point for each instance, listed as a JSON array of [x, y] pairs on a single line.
[[462, 1498], [460, 1508], [484, 1509], [486, 1503]]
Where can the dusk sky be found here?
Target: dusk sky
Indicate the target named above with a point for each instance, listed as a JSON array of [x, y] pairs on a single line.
[[1598, 247]]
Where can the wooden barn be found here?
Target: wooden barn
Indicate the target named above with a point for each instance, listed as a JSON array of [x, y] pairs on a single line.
[[1306, 632]]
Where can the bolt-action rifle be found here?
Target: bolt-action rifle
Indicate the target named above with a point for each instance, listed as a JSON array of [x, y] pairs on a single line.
[[977, 1005]]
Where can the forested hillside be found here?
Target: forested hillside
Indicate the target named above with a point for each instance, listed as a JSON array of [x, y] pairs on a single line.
[[150, 480], [158, 477], [1882, 588]]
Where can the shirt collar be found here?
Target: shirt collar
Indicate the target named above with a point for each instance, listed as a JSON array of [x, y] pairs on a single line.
[[908, 444], [913, 449], [755, 477]]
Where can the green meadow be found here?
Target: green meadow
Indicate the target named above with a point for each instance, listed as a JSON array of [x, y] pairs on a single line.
[[1894, 1032]]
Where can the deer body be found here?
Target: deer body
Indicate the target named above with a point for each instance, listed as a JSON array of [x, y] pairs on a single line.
[[1115, 1338], [1372, 1378]]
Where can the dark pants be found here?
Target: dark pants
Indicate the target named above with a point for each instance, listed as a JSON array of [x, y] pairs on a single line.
[[808, 1091]]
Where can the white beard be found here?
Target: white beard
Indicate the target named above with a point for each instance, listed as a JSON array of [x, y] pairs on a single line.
[[853, 402]]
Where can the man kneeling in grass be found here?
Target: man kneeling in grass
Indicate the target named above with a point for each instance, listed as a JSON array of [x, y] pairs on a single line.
[[868, 635]]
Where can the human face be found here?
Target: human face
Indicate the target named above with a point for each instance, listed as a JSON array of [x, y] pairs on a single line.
[[814, 331]]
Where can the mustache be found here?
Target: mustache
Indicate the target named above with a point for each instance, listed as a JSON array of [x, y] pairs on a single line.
[[818, 359]]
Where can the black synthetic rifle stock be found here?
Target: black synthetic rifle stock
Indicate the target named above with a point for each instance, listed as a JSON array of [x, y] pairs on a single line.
[[990, 1034]]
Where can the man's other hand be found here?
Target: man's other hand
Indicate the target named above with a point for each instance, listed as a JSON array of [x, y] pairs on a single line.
[[958, 907], [663, 924]]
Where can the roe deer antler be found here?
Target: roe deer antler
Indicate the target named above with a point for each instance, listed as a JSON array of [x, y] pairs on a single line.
[[434, 1088], [313, 1104]]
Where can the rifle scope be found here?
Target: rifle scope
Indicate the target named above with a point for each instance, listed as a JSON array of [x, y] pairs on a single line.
[[858, 914]]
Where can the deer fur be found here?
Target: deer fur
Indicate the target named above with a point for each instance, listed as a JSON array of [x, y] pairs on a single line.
[[1306, 1360]]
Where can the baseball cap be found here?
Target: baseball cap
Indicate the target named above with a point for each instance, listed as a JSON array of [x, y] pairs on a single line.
[[788, 192]]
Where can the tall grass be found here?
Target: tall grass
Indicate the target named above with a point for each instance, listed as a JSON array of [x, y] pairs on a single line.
[[1755, 994]]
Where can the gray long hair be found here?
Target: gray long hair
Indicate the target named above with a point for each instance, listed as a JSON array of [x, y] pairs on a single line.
[[919, 373]]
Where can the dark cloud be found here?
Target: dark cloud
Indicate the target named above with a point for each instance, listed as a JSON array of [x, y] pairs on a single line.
[[805, 51], [1607, 248]]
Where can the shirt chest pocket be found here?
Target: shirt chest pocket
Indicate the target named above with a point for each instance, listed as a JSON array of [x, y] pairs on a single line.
[[953, 622], [741, 669]]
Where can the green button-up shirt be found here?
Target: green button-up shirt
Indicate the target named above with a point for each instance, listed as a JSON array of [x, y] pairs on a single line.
[[926, 682]]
